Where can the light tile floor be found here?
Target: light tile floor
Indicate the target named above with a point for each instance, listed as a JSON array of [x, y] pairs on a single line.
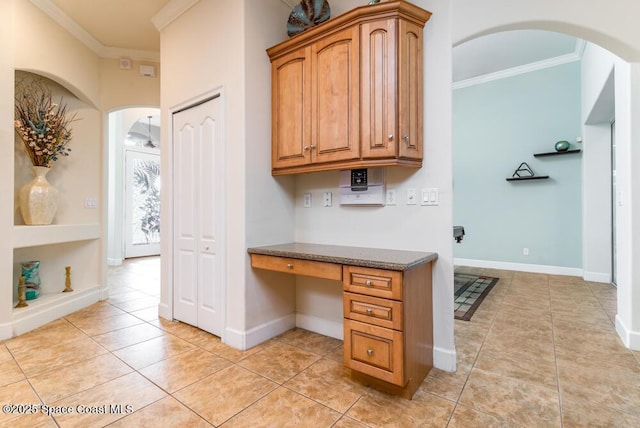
[[540, 351]]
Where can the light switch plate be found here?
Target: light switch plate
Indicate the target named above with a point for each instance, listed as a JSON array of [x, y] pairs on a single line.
[[307, 200], [91, 203], [411, 196], [326, 200], [391, 197], [430, 196]]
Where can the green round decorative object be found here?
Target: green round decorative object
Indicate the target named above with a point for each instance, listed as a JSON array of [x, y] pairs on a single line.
[[562, 146]]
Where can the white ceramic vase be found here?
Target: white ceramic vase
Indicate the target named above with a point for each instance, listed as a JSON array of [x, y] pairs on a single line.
[[38, 199]]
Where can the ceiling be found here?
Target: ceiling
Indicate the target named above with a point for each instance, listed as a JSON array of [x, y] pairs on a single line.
[[123, 24], [121, 28]]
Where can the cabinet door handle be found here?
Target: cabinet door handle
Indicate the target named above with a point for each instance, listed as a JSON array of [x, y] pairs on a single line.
[[405, 138], [289, 266], [367, 283], [306, 148], [390, 137], [369, 352], [206, 247], [313, 147], [369, 311]]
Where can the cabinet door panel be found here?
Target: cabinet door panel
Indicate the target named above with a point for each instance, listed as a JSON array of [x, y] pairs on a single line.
[[410, 90], [335, 108], [291, 107], [379, 89]]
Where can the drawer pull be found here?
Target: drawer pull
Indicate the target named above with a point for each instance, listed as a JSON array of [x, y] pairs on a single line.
[[369, 352], [368, 283], [289, 266], [369, 311]]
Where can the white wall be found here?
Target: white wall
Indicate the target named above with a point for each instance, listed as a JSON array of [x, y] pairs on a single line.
[[53, 52], [396, 227], [620, 35], [221, 45], [598, 110], [6, 162], [270, 297]]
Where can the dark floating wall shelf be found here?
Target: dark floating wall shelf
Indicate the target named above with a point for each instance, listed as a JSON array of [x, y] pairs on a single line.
[[557, 153], [534, 177]]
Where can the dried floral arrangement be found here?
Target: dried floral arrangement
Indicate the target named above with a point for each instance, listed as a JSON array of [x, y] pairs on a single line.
[[42, 124]]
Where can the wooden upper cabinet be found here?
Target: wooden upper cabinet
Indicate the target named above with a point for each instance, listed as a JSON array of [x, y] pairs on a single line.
[[379, 89], [410, 83], [291, 108], [348, 93], [335, 97]]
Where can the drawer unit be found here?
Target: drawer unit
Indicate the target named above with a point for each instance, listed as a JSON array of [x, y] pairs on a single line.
[[372, 282], [375, 351], [373, 310], [297, 266], [388, 319]]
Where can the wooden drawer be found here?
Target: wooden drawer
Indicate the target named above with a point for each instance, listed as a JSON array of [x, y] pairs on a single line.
[[375, 351], [372, 282], [297, 266], [373, 310]]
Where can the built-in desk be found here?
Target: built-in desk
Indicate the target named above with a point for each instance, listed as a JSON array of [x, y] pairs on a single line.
[[387, 301]]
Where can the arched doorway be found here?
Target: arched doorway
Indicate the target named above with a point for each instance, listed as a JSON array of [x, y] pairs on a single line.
[[619, 36], [134, 184]]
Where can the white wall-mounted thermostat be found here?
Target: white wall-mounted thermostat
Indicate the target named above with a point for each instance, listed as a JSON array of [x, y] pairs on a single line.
[[364, 186]]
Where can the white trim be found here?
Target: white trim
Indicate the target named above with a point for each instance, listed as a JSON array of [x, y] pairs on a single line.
[[40, 313], [630, 339], [114, 262], [66, 22], [170, 12], [444, 359], [165, 308], [521, 69], [320, 325], [597, 277], [5, 331], [257, 335], [520, 267], [164, 311]]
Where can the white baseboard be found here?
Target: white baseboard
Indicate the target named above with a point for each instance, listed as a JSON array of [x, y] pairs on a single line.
[[444, 359], [42, 312], [244, 340], [630, 338], [114, 262], [320, 325], [6, 331], [597, 277], [164, 311], [520, 267]]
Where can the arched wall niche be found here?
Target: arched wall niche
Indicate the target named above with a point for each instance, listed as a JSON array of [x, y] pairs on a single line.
[[75, 91]]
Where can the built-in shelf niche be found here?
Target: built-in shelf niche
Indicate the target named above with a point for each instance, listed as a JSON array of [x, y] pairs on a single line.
[[33, 236]]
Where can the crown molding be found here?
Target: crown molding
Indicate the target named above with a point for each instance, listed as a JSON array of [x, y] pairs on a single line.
[[576, 55], [170, 12], [62, 19]]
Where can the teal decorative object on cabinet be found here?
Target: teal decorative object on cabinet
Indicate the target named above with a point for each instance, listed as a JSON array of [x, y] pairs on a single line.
[[31, 274], [562, 146], [306, 14]]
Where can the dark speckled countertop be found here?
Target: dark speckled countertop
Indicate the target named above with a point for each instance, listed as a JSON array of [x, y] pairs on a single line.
[[355, 256]]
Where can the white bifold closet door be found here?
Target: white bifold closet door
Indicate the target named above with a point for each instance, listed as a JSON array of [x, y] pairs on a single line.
[[197, 216]]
